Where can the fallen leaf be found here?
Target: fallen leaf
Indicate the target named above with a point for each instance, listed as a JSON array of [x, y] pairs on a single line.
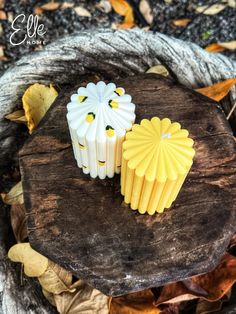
[[214, 48], [181, 22], [67, 5], [49, 296], [205, 307], [134, 303], [104, 6], [216, 283], [219, 90], [211, 10], [50, 6], [85, 300], [34, 263], [3, 15], [145, 9], [158, 69], [55, 279], [1, 30], [18, 222], [123, 8], [231, 45], [38, 11], [36, 101], [10, 16], [14, 196], [82, 12], [2, 4], [218, 47], [232, 3], [206, 35], [17, 116]]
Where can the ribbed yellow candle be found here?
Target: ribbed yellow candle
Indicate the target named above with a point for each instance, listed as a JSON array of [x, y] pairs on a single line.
[[156, 158]]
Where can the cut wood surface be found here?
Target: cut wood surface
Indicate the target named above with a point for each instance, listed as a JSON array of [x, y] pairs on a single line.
[[84, 225]]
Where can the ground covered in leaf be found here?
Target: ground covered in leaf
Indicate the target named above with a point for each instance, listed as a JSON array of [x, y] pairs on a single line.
[[202, 22]]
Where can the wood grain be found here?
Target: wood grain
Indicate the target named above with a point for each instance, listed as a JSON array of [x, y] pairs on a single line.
[[84, 225]]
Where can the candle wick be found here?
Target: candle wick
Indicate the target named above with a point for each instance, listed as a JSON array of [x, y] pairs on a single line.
[[168, 135]]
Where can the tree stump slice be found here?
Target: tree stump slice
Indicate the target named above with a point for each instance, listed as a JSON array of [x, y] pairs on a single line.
[[83, 224]]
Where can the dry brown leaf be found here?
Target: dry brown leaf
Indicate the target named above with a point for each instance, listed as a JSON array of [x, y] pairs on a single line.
[[14, 196], [219, 90], [3, 15], [123, 8], [218, 47], [158, 69], [104, 6], [216, 283], [67, 5], [17, 116], [56, 279], [134, 303], [2, 4], [211, 10], [38, 11], [10, 16], [82, 12], [205, 307], [37, 99], [85, 300], [214, 48], [18, 222], [181, 22], [145, 9], [34, 263], [49, 296], [50, 6]]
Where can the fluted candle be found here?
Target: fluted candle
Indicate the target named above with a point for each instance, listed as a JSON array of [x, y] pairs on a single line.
[[157, 156], [99, 116]]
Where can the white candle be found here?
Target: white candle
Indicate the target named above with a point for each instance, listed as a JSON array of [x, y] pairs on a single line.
[[99, 116]]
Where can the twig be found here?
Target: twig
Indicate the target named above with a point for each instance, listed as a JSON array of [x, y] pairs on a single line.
[[231, 111]]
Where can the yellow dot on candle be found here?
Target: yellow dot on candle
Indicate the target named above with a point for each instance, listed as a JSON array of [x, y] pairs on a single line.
[[90, 117], [110, 131], [120, 91], [113, 104], [101, 163], [82, 146], [81, 98]]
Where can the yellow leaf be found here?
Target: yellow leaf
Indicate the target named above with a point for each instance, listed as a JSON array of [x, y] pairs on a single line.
[[14, 196], [145, 9], [17, 116], [34, 263], [56, 279], [85, 300], [123, 8], [211, 10], [181, 22], [219, 90], [36, 101], [158, 69]]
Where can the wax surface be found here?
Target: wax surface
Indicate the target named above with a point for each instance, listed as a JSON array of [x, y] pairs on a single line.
[[98, 116], [157, 156]]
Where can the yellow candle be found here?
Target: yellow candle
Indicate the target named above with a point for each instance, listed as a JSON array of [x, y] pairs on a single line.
[[156, 158]]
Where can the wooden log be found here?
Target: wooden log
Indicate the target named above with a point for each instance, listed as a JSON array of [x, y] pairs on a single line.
[[112, 53], [84, 225]]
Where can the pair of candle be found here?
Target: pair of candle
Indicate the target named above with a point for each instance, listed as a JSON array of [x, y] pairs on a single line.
[[154, 157]]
